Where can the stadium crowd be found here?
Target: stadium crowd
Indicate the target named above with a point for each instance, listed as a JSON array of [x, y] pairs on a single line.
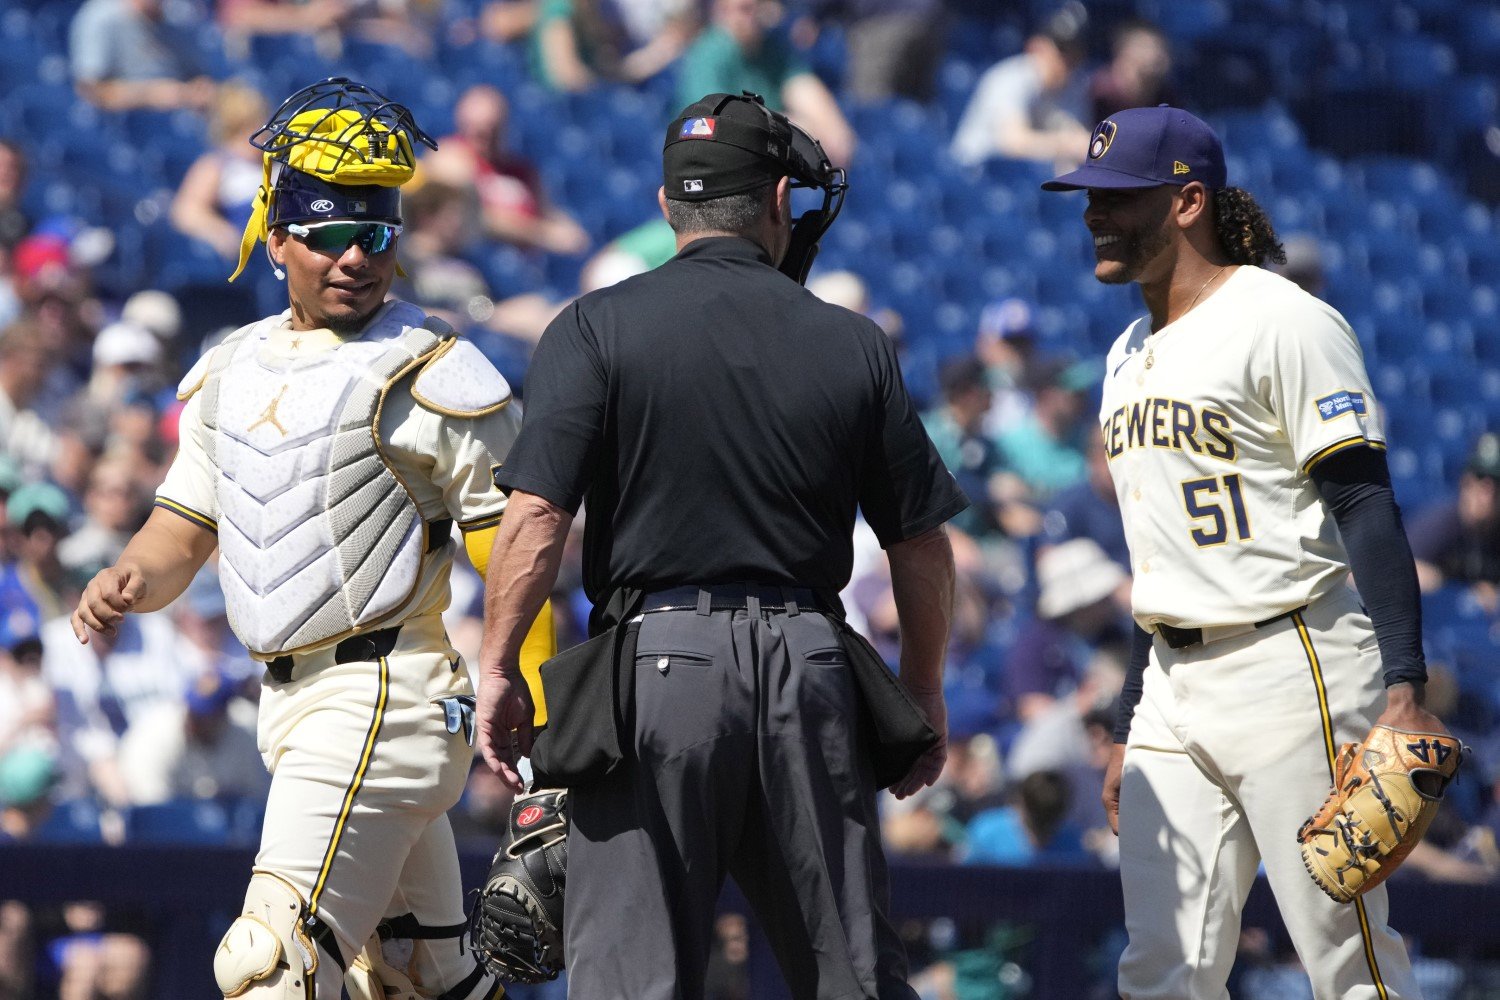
[[151, 735]]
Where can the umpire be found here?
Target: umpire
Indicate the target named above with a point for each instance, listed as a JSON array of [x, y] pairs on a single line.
[[723, 426]]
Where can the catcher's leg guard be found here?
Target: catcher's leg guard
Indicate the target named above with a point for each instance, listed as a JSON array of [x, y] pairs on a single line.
[[266, 954], [383, 969], [371, 977]]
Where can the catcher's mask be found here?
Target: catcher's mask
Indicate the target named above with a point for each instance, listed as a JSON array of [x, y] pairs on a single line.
[[727, 144], [334, 150]]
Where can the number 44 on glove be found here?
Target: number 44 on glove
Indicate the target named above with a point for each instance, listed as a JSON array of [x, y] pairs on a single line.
[[1386, 792], [516, 924]]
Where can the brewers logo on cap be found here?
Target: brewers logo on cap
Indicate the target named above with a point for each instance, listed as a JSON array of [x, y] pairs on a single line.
[[698, 128], [1104, 134]]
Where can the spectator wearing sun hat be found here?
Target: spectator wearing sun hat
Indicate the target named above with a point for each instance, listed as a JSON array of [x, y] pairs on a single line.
[[1079, 610]]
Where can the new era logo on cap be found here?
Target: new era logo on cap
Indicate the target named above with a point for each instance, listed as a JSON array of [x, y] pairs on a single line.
[[1178, 167], [698, 128]]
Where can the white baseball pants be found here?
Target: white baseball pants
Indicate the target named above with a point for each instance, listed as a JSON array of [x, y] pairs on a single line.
[[1230, 750], [363, 772]]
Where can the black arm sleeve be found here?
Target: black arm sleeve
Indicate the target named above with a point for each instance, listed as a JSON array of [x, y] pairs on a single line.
[[1135, 676], [1356, 485]]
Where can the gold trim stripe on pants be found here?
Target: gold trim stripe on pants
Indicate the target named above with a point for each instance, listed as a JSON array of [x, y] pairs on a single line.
[[1328, 745]]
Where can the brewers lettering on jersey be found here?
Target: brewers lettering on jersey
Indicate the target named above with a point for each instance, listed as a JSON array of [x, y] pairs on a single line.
[[1247, 452], [1208, 449]]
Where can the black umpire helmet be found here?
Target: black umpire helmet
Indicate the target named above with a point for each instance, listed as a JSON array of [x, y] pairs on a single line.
[[727, 144]]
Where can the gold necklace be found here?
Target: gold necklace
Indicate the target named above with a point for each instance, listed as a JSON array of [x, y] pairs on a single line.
[[1151, 348]]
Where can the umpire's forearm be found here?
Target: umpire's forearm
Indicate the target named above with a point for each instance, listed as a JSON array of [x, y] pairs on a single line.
[[523, 566], [922, 577]]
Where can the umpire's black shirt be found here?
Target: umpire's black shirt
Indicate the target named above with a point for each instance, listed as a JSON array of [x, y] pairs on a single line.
[[723, 423]]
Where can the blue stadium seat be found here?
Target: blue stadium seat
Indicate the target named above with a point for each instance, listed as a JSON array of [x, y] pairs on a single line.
[[288, 57], [1297, 170], [1478, 37], [23, 57], [180, 821], [75, 821], [1483, 261], [1398, 177], [1410, 485], [1186, 20], [1356, 118], [507, 271], [1413, 62], [1472, 101]]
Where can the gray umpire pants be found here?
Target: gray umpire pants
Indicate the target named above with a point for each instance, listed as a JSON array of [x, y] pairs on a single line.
[[746, 764]]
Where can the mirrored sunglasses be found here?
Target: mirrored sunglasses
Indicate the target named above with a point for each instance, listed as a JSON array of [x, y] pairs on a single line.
[[336, 237]]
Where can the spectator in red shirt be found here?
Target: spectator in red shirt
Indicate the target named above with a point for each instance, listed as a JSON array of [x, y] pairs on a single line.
[[512, 202]]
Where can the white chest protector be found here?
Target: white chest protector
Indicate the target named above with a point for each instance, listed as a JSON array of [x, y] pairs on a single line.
[[319, 537]]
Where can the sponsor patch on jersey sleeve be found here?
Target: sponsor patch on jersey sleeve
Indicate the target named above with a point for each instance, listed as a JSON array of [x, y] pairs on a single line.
[[1339, 403]]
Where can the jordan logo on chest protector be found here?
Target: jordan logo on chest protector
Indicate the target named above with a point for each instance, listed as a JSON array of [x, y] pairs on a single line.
[[268, 415]]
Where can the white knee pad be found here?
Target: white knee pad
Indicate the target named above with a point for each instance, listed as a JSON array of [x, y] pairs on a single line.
[[266, 953]]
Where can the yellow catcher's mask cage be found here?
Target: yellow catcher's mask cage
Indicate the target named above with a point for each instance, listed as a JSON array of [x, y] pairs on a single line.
[[335, 150]]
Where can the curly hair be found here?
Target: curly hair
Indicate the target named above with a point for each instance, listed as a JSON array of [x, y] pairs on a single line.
[[1244, 229]]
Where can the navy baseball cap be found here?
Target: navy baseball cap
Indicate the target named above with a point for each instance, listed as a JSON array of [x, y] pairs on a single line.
[[1148, 147], [302, 197]]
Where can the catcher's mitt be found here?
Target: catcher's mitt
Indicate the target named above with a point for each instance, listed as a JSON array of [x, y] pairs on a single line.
[[516, 924], [1386, 791]]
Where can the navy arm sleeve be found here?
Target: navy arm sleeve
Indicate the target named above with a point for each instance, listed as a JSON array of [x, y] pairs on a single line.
[[1356, 485], [1135, 677], [566, 389]]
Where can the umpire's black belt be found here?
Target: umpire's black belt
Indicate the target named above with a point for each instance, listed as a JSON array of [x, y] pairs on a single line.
[[1181, 638], [365, 646], [749, 597]]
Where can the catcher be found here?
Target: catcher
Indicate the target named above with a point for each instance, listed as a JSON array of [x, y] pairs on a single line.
[[327, 452]]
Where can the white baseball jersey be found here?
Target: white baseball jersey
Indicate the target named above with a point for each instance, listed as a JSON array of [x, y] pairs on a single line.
[[1211, 425]]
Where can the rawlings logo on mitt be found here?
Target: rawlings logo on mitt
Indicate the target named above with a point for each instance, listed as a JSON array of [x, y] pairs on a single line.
[[516, 924], [1386, 792]]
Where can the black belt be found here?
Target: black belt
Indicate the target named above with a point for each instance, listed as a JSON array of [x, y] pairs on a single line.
[[365, 646], [731, 597], [1181, 638], [438, 532]]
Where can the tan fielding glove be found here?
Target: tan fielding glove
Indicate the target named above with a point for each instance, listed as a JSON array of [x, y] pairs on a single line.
[[1386, 791]]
